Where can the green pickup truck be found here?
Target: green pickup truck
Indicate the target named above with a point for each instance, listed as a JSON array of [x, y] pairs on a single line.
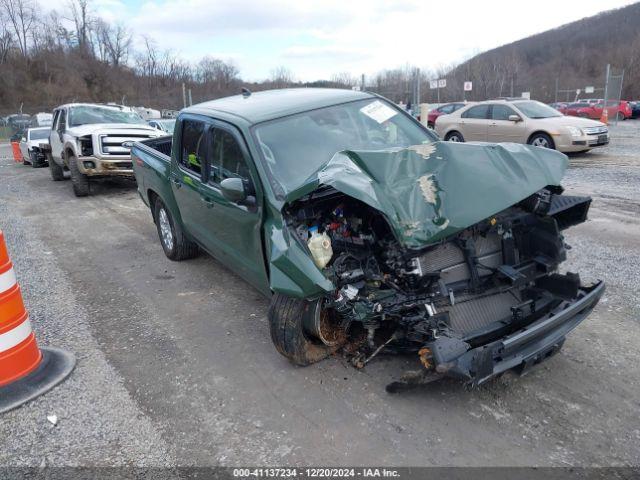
[[369, 234]]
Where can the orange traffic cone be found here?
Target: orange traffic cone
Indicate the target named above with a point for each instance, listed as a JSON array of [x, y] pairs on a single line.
[[25, 370], [17, 154], [605, 116]]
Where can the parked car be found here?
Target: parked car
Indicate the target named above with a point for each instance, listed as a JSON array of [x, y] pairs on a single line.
[[42, 119], [580, 109], [635, 109], [560, 106], [620, 109], [18, 122], [165, 125], [522, 121], [366, 231], [30, 146], [87, 139], [442, 110]]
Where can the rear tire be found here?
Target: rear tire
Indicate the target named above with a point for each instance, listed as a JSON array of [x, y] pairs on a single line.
[[541, 140], [175, 245], [57, 172], [79, 180], [454, 137], [287, 317]]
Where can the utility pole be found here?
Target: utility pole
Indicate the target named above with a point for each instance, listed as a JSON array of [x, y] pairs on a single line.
[[606, 85], [556, 94], [190, 99], [184, 96], [362, 82], [416, 100]]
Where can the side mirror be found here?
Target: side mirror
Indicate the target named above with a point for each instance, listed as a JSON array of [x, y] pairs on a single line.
[[233, 189], [515, 118]]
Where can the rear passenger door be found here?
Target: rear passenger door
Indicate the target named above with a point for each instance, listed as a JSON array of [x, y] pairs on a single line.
[[57, 130], [234, 229], [187, 173], [474, 123]]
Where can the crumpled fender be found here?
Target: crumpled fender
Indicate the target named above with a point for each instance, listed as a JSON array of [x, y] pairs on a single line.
[[291, 269], [432, 191]]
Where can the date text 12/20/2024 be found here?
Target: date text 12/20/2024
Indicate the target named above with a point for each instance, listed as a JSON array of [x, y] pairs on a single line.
[[316, 472]]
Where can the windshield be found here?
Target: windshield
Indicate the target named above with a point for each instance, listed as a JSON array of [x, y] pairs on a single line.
[[295, 147], [167, 125], [533, 109], [39, 134], [87, 114]]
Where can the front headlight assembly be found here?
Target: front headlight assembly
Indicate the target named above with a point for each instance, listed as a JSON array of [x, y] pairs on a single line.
[[575, 131]]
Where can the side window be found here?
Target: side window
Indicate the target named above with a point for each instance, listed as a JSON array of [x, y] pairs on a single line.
[[479, 111], [193, 145], [501, 112], [446, 109], [227, 160], [62, 121], [54, 123]]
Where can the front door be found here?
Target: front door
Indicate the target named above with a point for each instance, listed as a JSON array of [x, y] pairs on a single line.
[[501, 129], [233, 229], [56, 138]]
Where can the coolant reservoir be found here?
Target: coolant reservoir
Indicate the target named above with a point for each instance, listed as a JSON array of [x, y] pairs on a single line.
[[320, 247]]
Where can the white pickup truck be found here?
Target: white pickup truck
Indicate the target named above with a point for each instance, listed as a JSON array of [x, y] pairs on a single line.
[[87, 140]]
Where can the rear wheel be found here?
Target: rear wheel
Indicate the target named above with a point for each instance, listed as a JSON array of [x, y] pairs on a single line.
[[541, 140], [454, 137], [304, 331], [175, 245], [79, 180], [57, 172]]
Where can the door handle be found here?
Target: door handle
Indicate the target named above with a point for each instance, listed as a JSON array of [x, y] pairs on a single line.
[[207, 201], [176, 182]]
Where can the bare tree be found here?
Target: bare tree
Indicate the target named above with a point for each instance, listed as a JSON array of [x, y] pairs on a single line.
[[114, 42], [217, 72], [281, 77], [6, 40], [344, 79], [82, 19], [21, 16]]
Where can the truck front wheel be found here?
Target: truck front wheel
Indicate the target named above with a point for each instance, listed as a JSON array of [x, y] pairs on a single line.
[[57, 172], [175, 245], [304, 331], [79, 180]]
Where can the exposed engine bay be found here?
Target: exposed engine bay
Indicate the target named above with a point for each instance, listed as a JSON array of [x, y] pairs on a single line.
[[485, 282]]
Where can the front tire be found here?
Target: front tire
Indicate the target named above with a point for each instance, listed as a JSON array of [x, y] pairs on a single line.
[[287, 319], [33, 158], [57, 172], [79, 180], [454, 137], [542, 140], [175, 245]]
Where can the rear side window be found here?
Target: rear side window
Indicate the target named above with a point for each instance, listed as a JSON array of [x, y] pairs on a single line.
[[479, 111], [193, 146], [62, 121], [457, 106], [446, 109], [227, 160], [501, 112]]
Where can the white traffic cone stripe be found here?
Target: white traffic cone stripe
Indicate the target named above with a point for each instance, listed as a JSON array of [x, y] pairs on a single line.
[[7, 280], [15, 336]]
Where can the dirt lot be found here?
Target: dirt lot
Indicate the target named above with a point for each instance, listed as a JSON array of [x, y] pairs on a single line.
[[175, 364]]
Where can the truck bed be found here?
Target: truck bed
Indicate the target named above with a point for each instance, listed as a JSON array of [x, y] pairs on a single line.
[[160, 144]]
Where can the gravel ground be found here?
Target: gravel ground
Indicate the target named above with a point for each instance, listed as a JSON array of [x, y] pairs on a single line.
[[175, 365], [99, 424]]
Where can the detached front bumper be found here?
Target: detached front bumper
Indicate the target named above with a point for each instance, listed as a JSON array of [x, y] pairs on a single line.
[[525, 348]]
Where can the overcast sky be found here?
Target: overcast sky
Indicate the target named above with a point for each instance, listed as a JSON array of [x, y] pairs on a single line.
[[319, 38]]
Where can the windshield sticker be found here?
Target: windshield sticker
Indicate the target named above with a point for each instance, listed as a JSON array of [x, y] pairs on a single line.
[[378, 111]]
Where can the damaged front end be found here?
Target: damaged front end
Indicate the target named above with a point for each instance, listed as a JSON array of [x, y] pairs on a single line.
[[471, 289]]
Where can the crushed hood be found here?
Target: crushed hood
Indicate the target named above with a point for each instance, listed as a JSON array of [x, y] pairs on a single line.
[[429, 192]]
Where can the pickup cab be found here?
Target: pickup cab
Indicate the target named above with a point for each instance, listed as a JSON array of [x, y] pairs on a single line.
[[367, 232]]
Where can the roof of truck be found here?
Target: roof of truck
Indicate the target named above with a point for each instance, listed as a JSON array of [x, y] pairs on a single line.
[[269, 104]]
